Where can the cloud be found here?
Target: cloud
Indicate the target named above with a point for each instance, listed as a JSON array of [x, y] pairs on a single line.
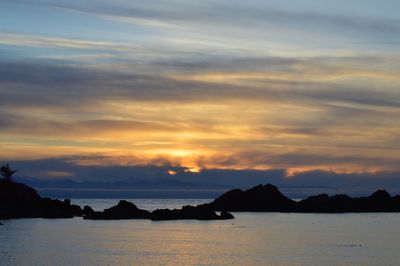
[[257, 28], [53, 42], [309, 107], [299, 184], [207, 85], [47, 79], [13, 124], [220, 13], [114, 109]]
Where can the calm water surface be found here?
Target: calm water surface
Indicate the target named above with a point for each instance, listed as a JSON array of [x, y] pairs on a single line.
[[250, 239]]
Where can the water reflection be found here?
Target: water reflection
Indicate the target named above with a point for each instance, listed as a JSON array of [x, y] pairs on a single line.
[[250, 239]]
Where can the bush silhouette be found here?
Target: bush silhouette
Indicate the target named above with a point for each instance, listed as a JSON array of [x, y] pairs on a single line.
[[6, 172]]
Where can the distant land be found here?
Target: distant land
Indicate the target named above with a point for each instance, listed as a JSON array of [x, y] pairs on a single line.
[[167, 188]]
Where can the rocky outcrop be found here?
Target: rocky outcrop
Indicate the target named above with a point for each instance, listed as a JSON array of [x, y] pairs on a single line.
[[87, 210], [18, 201], [123, 210], [269, 199], [226, 215], [54, 208], [380, 201], [260, 198], [127, 210], [21, 201], [200, 212]]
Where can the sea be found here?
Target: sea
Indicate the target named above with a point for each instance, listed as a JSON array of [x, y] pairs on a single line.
[[249, 239]]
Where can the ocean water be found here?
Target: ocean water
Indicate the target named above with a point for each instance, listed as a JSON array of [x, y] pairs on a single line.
[[250, 239]]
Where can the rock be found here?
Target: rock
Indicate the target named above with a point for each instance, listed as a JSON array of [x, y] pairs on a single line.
[[21, 201], [87, 210], [380, 195], [259, 199], [18, 201], [76, 210], [226, 215], [268, 199], [379, 201], [123, 210], [53, 208], [324, 203], [200, 212], [128, 210]]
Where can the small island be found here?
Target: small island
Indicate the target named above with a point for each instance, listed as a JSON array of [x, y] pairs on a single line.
[[21, 201]]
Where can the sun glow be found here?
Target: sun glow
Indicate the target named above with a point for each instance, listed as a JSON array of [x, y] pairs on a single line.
[[171, 172], [193, 169]]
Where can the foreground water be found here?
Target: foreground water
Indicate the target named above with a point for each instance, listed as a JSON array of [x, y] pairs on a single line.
[[250, 239]]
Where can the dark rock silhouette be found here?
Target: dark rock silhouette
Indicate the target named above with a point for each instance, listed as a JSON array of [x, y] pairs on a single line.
[[21, 201], [18, 201], [258, 199], [380, 201], [127, 210], [226, 215], [200, 212], [268, 199], [87, 210], [324, 203], [123, 210], [53, 208]]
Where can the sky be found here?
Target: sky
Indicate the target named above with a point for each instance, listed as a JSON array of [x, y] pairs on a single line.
[[197, 86]]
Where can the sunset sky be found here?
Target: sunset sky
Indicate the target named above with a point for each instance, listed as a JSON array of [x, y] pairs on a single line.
[[297, 86]]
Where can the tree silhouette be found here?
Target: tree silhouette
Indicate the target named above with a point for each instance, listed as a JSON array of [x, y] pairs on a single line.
[[6, 172]]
